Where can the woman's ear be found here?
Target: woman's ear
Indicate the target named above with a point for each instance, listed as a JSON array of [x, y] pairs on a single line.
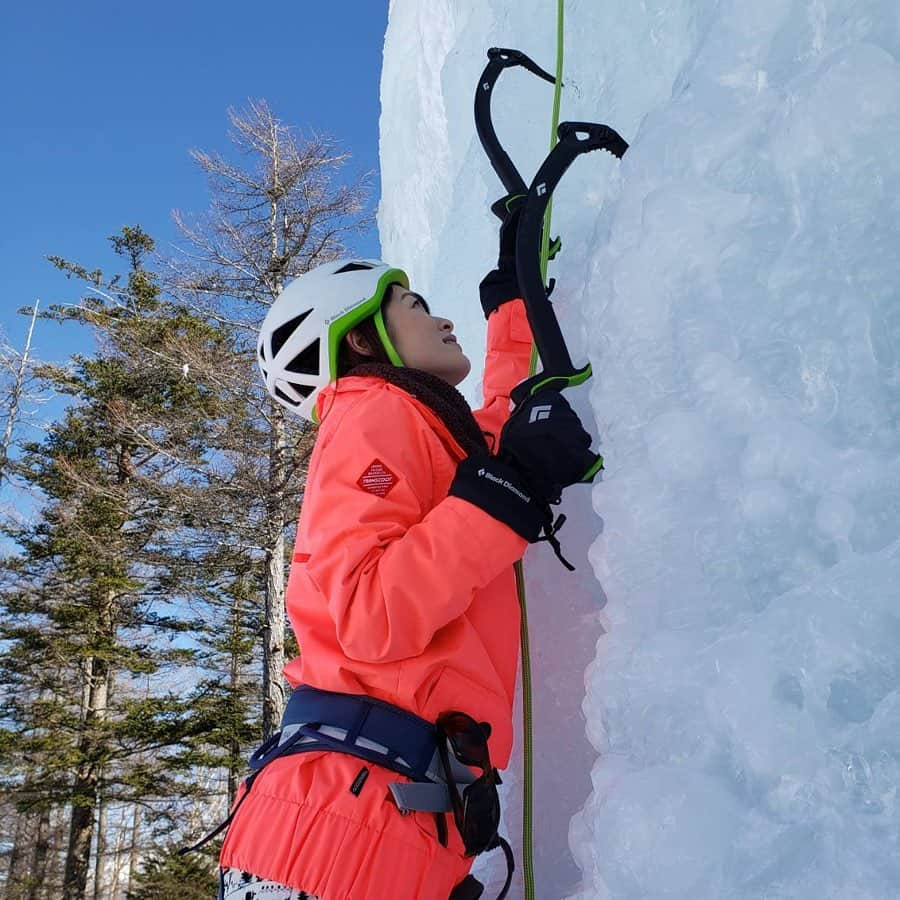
[[358, 343]]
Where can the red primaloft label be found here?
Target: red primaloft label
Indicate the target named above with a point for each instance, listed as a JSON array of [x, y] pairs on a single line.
[[378, 479]]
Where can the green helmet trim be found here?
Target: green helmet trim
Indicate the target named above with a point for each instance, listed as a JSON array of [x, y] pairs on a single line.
[[386, 342], [341, 326]]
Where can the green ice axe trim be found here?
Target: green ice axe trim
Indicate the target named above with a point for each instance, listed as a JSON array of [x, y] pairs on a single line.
[[543, 382], [593, 470], [514, 197]]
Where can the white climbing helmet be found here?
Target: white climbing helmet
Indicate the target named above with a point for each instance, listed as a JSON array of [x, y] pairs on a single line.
[[299, 339]]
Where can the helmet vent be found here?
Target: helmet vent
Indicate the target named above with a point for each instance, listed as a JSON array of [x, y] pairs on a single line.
[[306, 362], [354, 267], [281, 334], [285, 397], [302, 389]]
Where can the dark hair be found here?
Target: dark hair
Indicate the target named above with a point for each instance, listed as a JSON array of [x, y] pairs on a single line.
[[368, 330]]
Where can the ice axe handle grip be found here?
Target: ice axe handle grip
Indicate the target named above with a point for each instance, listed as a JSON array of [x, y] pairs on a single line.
[[544, 381]]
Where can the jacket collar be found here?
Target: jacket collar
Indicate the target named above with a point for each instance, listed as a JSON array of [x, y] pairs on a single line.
[[338, 392]]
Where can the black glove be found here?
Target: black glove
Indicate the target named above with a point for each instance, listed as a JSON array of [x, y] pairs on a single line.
[[502, 284], [543, 449], [545, 441]]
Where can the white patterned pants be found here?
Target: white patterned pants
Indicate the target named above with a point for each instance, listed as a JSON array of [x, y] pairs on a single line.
[[238, 885]]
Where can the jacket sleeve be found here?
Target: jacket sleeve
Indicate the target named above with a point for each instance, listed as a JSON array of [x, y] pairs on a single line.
[[393, 569], [506, 363]]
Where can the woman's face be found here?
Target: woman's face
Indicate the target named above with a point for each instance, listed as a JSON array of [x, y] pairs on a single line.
[[423, 341]]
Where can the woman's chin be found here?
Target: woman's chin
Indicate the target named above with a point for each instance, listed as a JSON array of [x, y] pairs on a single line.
[[453, 375], [464, 369]]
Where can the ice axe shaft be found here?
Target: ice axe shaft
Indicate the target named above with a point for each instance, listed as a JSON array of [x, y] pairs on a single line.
[[500, 58], [574, 139]]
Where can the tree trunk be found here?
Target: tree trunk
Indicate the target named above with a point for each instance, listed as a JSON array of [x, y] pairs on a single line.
[[85, 789], [28, 858], [234, 767], [40, 855], [274, 625], [100, 859], [17, 874], [116, 854], [133, 856], [51, 889]]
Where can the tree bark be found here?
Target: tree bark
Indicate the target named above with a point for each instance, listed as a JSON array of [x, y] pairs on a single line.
[[117, 856], [51, 888], [133, 855], [17, 874], [87, 773], [100, 859], [274, 625], [234, 675], [40, 855]]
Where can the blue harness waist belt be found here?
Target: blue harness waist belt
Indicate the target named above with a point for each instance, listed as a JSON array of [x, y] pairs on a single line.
[[371, 730]]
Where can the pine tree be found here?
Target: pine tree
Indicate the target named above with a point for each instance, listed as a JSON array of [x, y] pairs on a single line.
[[168, 876], [100, 643], [132, 616]]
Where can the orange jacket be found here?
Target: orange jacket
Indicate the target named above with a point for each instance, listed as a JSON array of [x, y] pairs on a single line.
[[403, 593]]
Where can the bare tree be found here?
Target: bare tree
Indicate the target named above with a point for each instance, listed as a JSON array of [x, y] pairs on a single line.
[[16, 366], [273, 220], [270, 220]]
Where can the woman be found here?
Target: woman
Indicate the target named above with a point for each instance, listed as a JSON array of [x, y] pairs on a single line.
[[402, 586]]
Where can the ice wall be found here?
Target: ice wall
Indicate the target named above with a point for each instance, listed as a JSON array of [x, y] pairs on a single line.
[[732, 632]]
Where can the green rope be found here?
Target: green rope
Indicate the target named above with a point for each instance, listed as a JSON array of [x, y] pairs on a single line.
[[557, 92], [527, 766]]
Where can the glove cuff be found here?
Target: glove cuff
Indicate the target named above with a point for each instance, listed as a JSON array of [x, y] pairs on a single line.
[[499, 286], [498, 489]]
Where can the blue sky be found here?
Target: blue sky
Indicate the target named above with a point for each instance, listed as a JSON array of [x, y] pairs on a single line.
[[103, 101]]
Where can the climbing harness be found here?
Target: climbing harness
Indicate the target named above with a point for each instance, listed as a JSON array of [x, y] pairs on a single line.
[[434, 757]]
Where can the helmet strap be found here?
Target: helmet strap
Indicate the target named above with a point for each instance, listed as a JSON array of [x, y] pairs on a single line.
[[385, 340]]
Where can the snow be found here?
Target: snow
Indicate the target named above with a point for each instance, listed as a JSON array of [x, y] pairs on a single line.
[[717, 687]]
